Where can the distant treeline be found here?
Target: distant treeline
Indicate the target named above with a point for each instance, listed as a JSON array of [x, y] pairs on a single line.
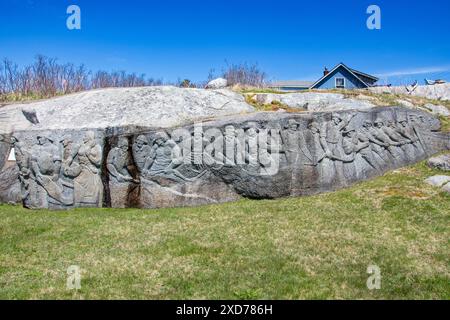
[[46, 77]]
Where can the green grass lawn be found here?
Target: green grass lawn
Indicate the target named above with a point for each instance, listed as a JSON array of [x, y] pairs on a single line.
[[295, 248]]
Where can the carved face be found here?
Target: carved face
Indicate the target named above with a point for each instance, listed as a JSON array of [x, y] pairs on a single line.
[[367, 124], [123, 144], [336, 120], [379, 124], [251, 132], [57, 165], [141, 141], [403, 123]]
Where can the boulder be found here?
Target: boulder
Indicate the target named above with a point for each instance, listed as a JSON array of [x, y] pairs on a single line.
[[437, 181], [441, 162], [446, 188], [314, 101], [260, 155], [10, 185], [162, 107], [218, 83], [437, 110], [405, 103], [436, 92]]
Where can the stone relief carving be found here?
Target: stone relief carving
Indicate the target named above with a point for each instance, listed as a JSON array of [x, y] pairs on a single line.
[[118, 162], [58, 173], [258, 156]]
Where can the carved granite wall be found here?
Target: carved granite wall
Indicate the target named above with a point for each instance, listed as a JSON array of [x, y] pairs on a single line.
[[9, 184], [263, 155], [60, 169]]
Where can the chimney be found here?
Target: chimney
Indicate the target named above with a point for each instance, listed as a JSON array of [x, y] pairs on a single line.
[[325, 72]]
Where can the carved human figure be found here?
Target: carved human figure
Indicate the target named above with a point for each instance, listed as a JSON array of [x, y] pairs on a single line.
[[332, 142], [377, 152], [354, 159], [297, 154], [294, 144], [322, 169], [229, 146], [84, 167], [141, 154], [42, 164], [410, 146], [251, 146], [51, 181], [416, 127], [117, 162], [386, 144]]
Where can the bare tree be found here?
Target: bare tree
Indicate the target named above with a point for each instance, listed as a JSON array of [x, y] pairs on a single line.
[[244, 74]]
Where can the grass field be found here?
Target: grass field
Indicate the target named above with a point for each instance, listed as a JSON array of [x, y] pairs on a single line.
[[295, 248]]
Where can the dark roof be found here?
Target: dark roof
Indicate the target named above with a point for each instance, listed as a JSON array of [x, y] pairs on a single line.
[[292, 83], [354, 72], [364, 74]]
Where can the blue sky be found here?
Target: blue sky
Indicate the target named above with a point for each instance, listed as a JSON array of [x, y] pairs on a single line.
[[185, 39]]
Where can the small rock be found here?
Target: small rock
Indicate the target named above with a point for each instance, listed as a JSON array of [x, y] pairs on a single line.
[[446, 188], [437, 181], [218, 83], [405, 103], [438, 110], [441, 162]]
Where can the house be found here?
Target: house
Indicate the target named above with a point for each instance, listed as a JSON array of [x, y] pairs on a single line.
[[340, 77]]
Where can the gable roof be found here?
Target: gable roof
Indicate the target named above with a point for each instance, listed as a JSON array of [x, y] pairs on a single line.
[[353, 72]]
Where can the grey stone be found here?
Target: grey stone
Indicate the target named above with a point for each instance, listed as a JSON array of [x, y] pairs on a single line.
[[437, 92], [405, 103], [218, 83], [60, 169], [159, 107], [258, 155], [437, 181], [314, 101], [446, 188], [441, 162], [10, 185], [438, 110]]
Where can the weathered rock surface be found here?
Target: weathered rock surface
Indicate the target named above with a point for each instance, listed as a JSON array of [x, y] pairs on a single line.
[[159, 107], [314, 101], [258, 155], [446, 188], [441, 162], [9, 174], [438, 181], [218, 83], [10, 191], [437, 110], [438, 91]]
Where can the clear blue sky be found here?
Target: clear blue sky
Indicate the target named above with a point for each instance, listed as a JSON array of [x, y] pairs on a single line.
[[185, 39]]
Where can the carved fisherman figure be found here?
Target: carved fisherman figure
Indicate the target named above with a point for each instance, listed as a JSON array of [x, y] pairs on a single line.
[[88, 187], [297, 154], [117, 162], [332, 141], [141, 154], [42, 163]]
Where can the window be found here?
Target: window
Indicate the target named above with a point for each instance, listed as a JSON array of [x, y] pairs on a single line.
[[340, 82]]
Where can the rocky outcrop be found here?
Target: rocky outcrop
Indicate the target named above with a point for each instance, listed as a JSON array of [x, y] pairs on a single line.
[[218, 83], [258, 155], [314, 101], [158, 107], [441, 162], [437, 110], [437, 92]]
